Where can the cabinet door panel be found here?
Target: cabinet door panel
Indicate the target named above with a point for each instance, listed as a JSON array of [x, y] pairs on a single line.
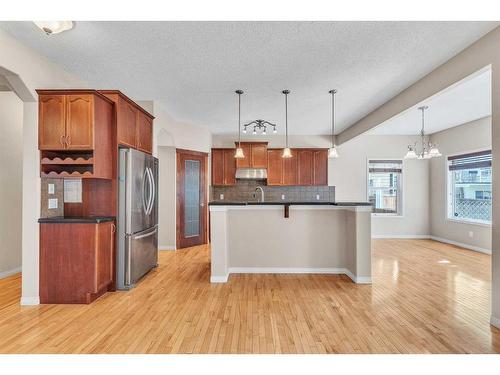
[[104, 253], [290, 169], [127, 124], [305, 167], [229, 167], [246, 162], [144, 132], [79, 122], [320, 167], [274, 167], [217, 167], [259, 156], [51, 122]]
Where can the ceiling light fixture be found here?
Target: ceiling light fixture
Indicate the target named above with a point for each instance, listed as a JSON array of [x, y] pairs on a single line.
[[54, 27], [332, 152], [428, 150], [287, 153], [239, 151], [259, 126]]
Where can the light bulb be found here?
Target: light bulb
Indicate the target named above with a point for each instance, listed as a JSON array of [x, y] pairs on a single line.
[[244, 130], [287, 153], [254, 132], [264, 132], [332, 152], [275, 131], [239, 153]]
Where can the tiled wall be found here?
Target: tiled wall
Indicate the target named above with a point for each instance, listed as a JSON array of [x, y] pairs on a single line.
[[45, 196], [244, 190]]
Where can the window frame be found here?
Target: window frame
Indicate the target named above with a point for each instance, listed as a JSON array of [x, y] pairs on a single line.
[[400, 213], [449, 191]]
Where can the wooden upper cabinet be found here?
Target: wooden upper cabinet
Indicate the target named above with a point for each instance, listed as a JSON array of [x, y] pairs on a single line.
[[79, 122], [305, 167], [229, 167], [246, 162], [51, 122], [320, 167], [217, 167], [144, 132], [290, 176], [127, 119], [259, 155], [274, 167]]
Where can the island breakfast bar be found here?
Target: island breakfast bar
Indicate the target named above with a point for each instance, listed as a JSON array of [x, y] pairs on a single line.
[[309, 237]]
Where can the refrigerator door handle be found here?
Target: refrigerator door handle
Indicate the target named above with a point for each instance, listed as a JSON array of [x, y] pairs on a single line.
[[145, 200], [146, 234], [153, 191]]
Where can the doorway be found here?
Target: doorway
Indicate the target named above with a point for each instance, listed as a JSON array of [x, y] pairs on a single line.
[[191, 198]]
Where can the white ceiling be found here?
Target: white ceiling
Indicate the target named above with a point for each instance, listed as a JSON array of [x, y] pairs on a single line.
[[465, 101], [193, 68]]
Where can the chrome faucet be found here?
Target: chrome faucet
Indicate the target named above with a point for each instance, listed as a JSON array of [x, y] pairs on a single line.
[[261, 193]]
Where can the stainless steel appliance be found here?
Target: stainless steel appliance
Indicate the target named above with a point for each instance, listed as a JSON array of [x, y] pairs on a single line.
[[137, 217]]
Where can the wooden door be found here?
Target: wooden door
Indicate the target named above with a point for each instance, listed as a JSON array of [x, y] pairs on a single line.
[[144, 133], [290, 169], [191, 198], [51, 122], [246, 162], [79, 122], [320, 167], [274, 167], [229, 166], [305, 167], [127, 120], [259, 155], [217, 167]]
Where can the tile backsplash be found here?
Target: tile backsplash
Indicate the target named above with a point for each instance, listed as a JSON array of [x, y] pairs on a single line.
[[57, 193], [244, 190]]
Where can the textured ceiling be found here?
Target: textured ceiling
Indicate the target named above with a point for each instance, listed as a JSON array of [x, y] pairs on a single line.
[[193, 68], [465, 101]]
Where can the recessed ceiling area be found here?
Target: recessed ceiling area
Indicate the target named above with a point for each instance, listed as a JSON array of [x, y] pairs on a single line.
[[193, 68], [465, 101]]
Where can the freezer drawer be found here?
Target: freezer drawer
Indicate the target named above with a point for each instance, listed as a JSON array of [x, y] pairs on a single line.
[[141, 254]]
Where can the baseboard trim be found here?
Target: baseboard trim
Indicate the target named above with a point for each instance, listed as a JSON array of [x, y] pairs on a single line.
[[358, 279], [8, 273], [167, 247], [495, 322], [402, 236], [219, 279], [30, 301], [460, 244]]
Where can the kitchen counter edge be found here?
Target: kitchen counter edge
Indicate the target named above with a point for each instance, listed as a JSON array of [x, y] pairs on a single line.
[[74, 220]]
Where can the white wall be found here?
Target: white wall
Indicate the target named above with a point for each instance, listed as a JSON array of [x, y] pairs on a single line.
[[348, 174], [472, 136], [167, 198], [11, 179]]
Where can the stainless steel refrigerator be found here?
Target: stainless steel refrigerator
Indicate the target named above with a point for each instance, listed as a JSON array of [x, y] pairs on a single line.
[[137, 217]]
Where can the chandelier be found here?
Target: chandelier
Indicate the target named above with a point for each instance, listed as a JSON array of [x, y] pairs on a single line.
[[428, 150], [259, 126]]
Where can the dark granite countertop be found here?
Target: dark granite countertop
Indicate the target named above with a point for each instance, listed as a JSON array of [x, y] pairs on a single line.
[[68, 220], [284, 203]]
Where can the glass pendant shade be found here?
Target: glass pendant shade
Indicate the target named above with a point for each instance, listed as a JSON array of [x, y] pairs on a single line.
[[287, 153], [239, 153], [411, 154], [332, 152], [434, 152], [54, 27]]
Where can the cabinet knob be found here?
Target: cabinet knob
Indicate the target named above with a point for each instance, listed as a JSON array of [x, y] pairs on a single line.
[[61, 140]]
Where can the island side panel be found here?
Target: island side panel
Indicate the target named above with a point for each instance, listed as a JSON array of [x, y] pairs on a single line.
[[219, 245], [363, 246]]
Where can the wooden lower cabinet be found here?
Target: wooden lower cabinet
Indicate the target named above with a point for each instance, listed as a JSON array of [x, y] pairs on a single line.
[[76, 261]]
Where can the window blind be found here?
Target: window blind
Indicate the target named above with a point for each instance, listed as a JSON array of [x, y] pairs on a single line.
[[481, 159], [385, 166]]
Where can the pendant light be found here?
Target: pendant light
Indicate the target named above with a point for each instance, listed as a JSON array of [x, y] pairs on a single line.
[[287, 153], [428, 150], [239, 151], [332, 152]]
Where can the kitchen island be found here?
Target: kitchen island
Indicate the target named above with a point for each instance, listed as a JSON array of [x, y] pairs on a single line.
[[290, 237]]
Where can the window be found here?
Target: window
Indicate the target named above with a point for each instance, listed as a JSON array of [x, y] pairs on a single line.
[[384, 186], [469, 182]]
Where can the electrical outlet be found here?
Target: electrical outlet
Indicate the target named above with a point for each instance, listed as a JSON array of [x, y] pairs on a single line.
[[221, 197], [52, 203], [317, 197], [51, 188], [471, 234], [282, 197]]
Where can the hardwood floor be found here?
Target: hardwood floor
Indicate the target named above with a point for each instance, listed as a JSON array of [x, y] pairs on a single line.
[[426, 297]]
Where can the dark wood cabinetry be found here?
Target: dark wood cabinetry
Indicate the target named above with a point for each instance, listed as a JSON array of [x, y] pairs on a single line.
[[305, 167], [255, 155], [134, 125], [75, 134], [320, 167], [223, 166], [76, 261], [275, 167]]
